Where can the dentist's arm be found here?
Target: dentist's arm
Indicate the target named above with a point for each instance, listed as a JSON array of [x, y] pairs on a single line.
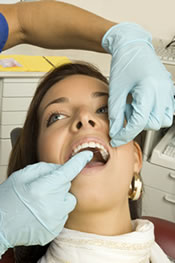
[[54, 25]]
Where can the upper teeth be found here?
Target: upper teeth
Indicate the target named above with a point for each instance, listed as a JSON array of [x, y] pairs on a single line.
[[101, 148]]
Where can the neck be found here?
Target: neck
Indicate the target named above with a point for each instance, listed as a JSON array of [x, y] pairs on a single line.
[[108, 223]]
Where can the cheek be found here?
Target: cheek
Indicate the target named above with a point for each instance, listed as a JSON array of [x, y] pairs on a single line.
[[50, 147], [123, 167]]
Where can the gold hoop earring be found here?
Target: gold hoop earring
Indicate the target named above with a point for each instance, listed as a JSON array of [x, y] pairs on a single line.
[[135, 188]]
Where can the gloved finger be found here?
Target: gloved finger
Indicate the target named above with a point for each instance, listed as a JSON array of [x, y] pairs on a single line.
[[34, 171], [174, 99], [115, 142], [154, 122], [54, 229], [116, 114], [65, 205], [74, 166], [160, 118], [168, 119], [128, 111], [55, 183], [69, 203], [59, 179], [162, 113], [136, 123], [165, 121], [169, 114], [61, 225], [155, 118]]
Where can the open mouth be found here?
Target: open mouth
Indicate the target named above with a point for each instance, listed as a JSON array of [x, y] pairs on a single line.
[[101, 155]]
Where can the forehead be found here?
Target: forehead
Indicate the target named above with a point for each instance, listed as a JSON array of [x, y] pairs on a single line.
[[76, 86]]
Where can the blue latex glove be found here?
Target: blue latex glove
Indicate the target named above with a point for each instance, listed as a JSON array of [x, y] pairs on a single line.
[[136, 69], [4, 30], [35, 202]]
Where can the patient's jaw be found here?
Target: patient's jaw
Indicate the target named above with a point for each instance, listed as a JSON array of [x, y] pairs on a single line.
[[74, 112]]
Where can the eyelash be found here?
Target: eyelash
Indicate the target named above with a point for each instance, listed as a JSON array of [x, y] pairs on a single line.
[[52, 114]]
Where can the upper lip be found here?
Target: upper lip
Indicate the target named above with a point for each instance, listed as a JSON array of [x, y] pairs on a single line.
[[86, 140]]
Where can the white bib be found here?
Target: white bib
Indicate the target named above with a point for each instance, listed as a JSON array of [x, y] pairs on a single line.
[[78, 247]]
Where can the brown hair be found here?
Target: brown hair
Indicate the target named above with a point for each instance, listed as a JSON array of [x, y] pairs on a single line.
[[25, 150]]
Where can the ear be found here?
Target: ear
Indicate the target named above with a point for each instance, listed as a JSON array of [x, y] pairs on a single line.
[[138, 157]]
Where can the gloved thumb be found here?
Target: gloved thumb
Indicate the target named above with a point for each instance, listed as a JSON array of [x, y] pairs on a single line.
[[118, 139], [128, 112]]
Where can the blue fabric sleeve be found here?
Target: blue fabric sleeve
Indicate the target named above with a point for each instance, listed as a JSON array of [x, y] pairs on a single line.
[[4, 31]]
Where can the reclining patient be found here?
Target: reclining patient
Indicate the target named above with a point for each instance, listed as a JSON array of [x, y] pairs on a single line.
[[69, 114]]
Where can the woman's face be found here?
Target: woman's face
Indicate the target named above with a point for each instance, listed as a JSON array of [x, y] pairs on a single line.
[[74, 112]]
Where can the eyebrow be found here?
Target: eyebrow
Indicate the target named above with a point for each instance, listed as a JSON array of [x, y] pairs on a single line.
[[65, 99]]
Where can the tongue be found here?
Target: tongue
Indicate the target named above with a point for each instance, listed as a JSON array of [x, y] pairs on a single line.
[[93, 164], [96, 161]]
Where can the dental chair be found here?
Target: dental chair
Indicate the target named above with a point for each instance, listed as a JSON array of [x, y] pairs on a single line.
[[164, 235], [164, 229]]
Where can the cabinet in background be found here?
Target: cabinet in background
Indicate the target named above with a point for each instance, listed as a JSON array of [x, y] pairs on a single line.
[[16, 91], [159, 183]]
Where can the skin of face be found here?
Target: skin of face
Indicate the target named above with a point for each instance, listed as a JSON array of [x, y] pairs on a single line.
[[101, 192]]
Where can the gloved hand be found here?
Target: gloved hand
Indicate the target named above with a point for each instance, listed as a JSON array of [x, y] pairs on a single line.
[[136, 69], [4, 30], [35, 202]]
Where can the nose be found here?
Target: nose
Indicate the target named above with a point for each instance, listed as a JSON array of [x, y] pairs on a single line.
[[84, 119]]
